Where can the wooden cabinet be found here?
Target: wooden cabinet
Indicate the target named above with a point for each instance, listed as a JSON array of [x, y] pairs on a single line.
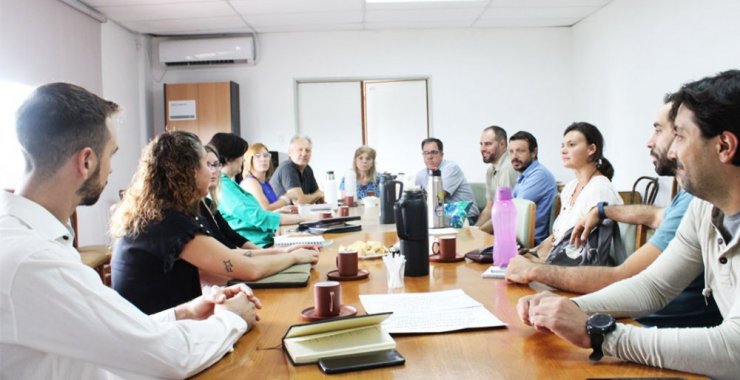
[[202, 108]]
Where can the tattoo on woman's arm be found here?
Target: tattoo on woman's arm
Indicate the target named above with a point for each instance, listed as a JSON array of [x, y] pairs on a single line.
[[228, 266], [248, 253]]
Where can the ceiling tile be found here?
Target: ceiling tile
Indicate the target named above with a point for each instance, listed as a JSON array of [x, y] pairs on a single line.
[[167, 11], [417, 25], [107, 3], [189, 26], [308, 18], [548, 3], [308, 28], [526, 23], [536, 13], [456, 14], [479, 4], [249, 7]]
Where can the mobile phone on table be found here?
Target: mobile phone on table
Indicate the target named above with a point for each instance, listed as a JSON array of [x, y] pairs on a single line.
[[356, 362]]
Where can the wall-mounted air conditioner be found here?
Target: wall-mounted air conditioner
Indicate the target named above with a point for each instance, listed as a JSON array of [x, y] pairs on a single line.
[[206, 51]]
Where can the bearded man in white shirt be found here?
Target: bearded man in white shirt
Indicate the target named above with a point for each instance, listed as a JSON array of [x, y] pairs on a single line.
[[57, 319], [707, 149]]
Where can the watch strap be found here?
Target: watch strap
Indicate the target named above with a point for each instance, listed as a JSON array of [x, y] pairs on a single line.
[[600, 209], [596, 341]]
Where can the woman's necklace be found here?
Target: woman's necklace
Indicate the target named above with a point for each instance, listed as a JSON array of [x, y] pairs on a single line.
[[579, 188]]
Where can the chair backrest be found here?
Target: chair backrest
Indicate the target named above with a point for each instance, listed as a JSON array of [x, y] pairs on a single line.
[[525, 221], [479, 191], [554, 212], [628, 234], [631, 197], [651, 189]]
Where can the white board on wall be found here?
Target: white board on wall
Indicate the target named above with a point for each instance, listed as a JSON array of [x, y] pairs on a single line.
[[330, 113], [396, 123]]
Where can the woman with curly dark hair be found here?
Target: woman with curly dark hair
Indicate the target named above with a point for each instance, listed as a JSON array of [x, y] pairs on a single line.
[[162, 238]]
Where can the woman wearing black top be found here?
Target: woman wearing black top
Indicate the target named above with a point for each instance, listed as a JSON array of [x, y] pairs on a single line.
[[219, 228], [163, 239]]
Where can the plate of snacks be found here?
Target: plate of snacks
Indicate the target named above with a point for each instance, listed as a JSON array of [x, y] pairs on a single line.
[[366, 250]]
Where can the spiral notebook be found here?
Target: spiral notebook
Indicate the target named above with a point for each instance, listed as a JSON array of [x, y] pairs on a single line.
[[288, 240]]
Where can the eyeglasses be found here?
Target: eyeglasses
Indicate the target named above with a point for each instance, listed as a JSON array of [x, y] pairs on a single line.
[[430, 153], [262, 155], [213, 165]]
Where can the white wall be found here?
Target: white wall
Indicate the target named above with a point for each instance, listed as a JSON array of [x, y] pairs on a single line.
[[124, 72], [45, 41], [517, 78], [628, 55]]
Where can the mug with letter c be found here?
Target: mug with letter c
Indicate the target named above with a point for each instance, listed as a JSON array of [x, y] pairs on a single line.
[[327, 298]]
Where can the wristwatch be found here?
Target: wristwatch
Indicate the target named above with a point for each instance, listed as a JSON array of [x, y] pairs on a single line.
[[600, 209], [597, 326]]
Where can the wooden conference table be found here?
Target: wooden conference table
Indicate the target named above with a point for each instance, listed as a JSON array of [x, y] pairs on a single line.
[[514, 352]]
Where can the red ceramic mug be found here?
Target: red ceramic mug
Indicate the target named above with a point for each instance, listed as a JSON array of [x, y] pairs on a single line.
[[327, 298], [347, 263], [445, 247]]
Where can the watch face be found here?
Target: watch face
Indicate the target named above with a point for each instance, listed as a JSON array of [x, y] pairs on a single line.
[[601, 321]]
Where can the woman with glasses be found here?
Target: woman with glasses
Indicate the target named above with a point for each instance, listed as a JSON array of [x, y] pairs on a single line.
[[257, 172], [364, 167], [163, 240], [240, 208]]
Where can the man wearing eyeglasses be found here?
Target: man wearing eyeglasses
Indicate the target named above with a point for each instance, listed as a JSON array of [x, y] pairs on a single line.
[[455, 185]]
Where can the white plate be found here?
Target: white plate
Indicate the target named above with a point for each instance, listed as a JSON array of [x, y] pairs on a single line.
[[373, 256]]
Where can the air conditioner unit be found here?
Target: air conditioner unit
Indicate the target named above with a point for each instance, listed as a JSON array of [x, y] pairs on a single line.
[[206, 51]]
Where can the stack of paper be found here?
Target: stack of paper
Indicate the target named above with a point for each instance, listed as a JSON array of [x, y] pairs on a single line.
[[433, 312]]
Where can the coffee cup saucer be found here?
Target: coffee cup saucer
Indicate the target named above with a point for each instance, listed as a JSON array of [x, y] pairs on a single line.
[[436, 259], [309, 313], [361, 274]]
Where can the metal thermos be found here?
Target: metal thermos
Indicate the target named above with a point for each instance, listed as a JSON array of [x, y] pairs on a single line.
[[435, 199], [388, 189], [413, 233]]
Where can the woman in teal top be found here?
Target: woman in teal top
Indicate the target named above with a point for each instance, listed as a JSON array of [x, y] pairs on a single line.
[[242, 210]]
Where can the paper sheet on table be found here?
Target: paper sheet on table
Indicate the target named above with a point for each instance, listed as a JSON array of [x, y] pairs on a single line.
[[433, 312]]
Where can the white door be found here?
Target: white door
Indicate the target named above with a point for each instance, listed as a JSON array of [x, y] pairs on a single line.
[[330, 113], [396, 122]]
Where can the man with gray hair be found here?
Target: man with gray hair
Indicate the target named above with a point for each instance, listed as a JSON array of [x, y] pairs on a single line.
[[294, 177]]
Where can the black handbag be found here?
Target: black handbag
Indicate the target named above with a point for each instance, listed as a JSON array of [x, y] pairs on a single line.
[[603, 247]]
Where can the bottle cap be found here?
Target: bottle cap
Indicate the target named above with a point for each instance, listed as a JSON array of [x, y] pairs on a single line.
[[503, 193], [434, 172]]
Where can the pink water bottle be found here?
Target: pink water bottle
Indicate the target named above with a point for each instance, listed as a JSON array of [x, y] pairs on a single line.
[[503, 216]]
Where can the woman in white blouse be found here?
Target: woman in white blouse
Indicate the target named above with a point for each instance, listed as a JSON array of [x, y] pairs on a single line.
[[582, 150]]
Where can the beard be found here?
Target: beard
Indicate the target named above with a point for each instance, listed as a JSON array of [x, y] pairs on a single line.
[[91, 189], [487, 160], [664, 166]]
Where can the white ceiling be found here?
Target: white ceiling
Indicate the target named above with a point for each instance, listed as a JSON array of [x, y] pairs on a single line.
[[163, 17]]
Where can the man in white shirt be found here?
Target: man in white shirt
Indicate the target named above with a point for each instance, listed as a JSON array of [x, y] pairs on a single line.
[[57, 319], [707, 150]]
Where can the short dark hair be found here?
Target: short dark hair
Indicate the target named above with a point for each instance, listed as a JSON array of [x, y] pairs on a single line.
[[229, 146], [58, 120], [526, 136], [433, 140], [498, 131], [715, 102], [593, 136], [671, 98]]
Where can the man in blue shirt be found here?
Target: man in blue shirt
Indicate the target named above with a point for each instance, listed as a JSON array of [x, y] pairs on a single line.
[[535, 183], [689, 308]]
